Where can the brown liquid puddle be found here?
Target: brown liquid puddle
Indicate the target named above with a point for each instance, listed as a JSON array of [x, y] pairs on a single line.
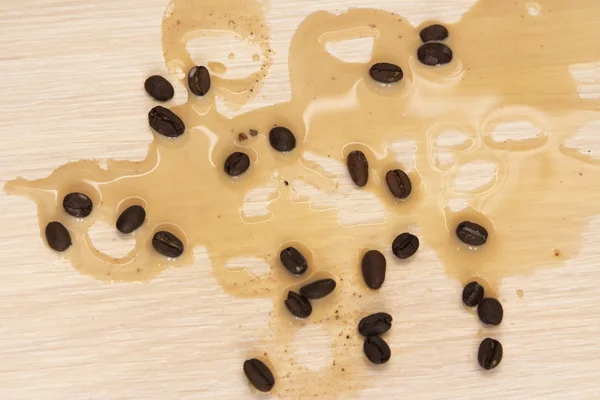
[[508, 66]]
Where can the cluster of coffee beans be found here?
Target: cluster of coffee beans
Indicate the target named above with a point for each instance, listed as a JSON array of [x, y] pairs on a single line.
[[371, 327]]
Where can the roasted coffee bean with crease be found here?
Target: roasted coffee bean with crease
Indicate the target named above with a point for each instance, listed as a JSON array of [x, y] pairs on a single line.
[[199, 80], [318, 289], [167, 244], [131, 219], [398, 183], [375, 324], [386, 73], [434, 54], [282, 139], [472, 294], [433, 32], [78, 205], [490, 311], [490, 353], [259, 375], [165, 122], [377, 350], [373, 269], [57, 236], [237, 163], [293, 260], [471, 233], [298, 305], [358, 166], [405, 245], [159, 88]]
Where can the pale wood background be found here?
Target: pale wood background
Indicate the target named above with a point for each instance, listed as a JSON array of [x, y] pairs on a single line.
[[71, 78]]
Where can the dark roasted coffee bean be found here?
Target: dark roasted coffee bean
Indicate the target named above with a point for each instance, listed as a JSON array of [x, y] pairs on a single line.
[[399, 183], [377, 350], [298, 305], [131, 219], [490, 353], [237, 163], [78, 205], [405, 245], [490, 311], [57, 236], [434, 54], [434, 32], [375, 324], [318, 289], [471, 233], [199, 80], [165, 122], [259, 375], [167, 244], [159, 88], [472, 294], [358, 166], [386, 73], [293, 261], [282, 139], [373, 268]]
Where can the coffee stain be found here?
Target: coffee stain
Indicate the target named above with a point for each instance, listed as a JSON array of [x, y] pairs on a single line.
[[509, 66]]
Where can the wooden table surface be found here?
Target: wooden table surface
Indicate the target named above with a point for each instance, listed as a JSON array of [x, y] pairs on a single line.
[[72, 74]]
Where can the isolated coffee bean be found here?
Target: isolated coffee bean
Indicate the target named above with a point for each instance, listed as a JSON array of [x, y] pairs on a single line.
[[199, 80], [471, 233], [57, 236], [237, 163], [433, 32], [165, 122], [398, 183], [318, 289], [282, 139], [375, 324], [373, 269], [259, 375], [490, 311], [377, 350], [78, 205], [490, 353], [167, 244], [405, 245], [472, 294], [293, 260], [131, 219], [358, 166], [298, 305], [434, 54], [386, 73], [159, 88]]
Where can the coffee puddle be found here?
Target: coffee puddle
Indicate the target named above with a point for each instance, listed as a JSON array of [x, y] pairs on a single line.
[[511, 65]]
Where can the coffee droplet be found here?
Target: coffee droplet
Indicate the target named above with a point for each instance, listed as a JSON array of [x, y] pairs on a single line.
[[131, 219], [57, 236], [377, 350], [386, 73], [78, 205], [167, 244], [405, 245], [490, 353], [298, 305], [282, 139], [166, 122], [237, 163], [199, 80], [358, 167], [373, 268], [259, 375], [159, 88]]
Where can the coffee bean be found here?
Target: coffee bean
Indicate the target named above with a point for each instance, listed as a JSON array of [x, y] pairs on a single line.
[[159, 88], [199, 80], [167, 244], [298, 305], [237, 163], [386, 73], [471, 233], [490, 311], [405, 245], [399, 183], [318, 289], [57, 236], [165, 122], [131, 219], [358, 166], [490, 353], [375, 324], [282, 139], [293, 261], [434, 54], [78, 205], [259, 375], [472, 294], [373, 268], [434, 32], [377, 350]]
